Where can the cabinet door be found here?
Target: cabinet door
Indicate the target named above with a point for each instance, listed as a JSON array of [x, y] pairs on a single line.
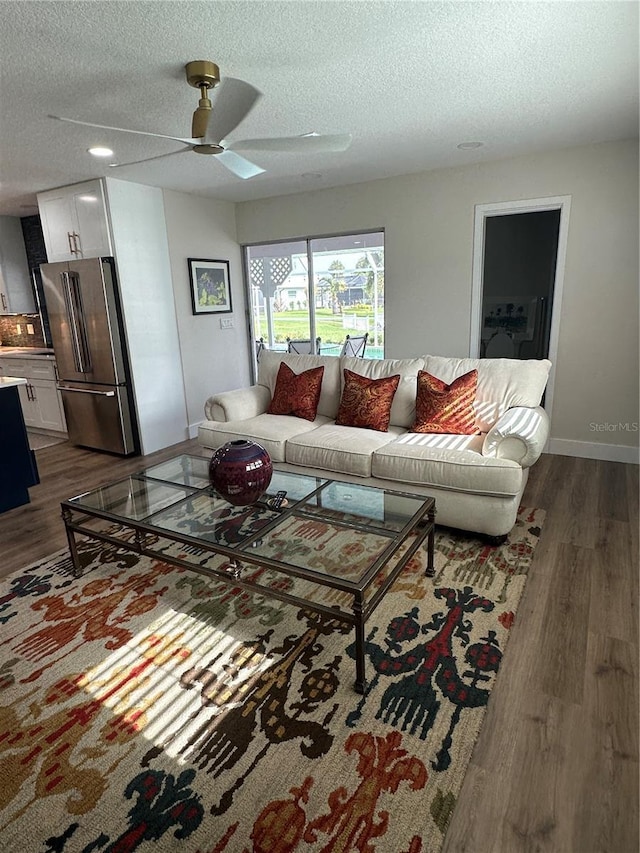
[[46, 402], [91, 236], [16, 287], [29, 408], [58, 224]]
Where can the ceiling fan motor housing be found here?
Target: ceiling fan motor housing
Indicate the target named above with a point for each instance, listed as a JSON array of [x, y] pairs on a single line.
[[201, 73], [208, 148]]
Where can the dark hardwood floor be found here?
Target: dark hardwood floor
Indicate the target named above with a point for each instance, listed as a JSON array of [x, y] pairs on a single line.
[[555, 769]]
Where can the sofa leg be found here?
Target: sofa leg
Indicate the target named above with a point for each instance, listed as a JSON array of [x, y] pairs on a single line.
[[497, 540]]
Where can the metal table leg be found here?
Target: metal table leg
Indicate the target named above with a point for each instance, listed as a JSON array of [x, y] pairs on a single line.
[[361, 682], [430, 571], [71, 539]]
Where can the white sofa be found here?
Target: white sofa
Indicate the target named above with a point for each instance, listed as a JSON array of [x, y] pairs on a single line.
[[477, 480]]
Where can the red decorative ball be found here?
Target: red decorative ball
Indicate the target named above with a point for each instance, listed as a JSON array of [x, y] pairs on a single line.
[[240, 471]]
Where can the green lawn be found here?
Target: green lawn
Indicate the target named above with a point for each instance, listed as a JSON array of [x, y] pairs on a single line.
[[329, 327]]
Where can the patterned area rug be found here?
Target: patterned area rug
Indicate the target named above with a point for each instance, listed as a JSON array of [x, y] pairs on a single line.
[[145, 708]]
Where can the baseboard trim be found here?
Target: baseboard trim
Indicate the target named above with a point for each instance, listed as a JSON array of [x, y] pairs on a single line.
[[594, 450]]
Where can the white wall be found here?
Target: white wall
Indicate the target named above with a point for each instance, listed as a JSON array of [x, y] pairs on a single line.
[[428, 219], [142, 258], [214, 359]]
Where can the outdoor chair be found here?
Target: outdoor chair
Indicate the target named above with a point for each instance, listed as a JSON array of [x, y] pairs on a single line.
[[260, 345], [304, 346], [355, 345]]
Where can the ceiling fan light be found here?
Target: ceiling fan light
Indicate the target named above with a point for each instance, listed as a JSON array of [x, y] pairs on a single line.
[[99, 151]]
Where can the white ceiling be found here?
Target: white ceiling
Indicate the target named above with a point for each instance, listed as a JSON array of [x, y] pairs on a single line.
[[409, 79]]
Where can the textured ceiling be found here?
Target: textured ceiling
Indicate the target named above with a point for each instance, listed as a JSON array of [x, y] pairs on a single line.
[[409, 79]]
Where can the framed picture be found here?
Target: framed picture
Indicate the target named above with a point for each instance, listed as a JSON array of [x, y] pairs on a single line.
[[515, 317], [210, 287]]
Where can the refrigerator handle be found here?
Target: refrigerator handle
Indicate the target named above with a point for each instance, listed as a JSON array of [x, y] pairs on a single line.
[[77, 324], [86, 391]]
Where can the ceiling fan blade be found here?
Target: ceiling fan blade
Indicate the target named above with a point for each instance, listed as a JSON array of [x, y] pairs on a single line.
[[238, 165], [311, 144], [127, 130], [148, 159], [233, 102]]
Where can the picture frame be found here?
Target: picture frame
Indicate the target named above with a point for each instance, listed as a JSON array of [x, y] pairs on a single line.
[[516, 317], [210, 286]]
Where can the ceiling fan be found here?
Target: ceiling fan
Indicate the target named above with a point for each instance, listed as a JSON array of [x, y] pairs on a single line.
[[212, 124]]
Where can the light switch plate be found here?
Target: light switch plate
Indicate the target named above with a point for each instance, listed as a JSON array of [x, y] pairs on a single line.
[[226, 322]]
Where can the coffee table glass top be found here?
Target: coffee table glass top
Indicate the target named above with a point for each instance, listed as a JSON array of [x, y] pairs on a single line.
[[312, 530]]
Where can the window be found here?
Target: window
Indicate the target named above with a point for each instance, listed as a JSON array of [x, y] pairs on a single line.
[[320, 287]]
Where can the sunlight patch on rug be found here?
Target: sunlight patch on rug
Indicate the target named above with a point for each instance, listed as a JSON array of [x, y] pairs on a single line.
[[145, 708]]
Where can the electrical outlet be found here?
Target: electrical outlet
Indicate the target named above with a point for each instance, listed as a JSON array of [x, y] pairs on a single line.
[[226, 322], [30, 329], [18, 329]]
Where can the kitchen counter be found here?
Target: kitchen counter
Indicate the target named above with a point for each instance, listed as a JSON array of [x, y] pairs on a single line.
[[29, 352], [11, 381]]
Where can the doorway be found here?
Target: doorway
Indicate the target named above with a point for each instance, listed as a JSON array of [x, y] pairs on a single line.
[[518, 272]]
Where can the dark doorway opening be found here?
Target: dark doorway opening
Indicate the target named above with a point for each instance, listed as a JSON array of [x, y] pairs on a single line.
[[518, 280]]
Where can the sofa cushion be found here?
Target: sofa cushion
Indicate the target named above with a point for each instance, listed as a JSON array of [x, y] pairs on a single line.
[[366, 403], [404, 403], [297, 394], [347, 450], [443, 408], [448, 462], [502, 382], [270, 361], [271, 431]]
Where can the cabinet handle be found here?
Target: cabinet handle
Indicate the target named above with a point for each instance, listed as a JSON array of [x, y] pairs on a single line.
[[71, 249], [76, 243], [4, 302]]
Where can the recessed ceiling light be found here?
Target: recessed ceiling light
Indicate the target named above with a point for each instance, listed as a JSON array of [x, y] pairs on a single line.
[[100, 152], [464, 146]]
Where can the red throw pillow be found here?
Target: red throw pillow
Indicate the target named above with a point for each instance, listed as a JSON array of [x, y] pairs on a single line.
[[366, 403], [297, 394], [446, 408]]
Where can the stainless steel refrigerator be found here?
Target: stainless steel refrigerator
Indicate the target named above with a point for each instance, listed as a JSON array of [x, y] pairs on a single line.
[[87, 331]]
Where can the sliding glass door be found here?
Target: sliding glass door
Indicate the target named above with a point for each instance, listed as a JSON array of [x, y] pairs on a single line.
[[318, 290]]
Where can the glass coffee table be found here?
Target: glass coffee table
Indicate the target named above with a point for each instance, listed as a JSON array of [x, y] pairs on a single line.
[[337, 547]]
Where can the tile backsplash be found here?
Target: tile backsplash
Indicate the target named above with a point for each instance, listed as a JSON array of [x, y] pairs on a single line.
[[11, 337]]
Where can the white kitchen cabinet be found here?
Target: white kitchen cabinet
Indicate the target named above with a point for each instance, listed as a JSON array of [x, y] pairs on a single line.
[[16, 289], [74, 222], [40, 398]]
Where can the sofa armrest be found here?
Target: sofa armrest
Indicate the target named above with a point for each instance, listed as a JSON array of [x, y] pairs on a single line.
[[520, 434], [238, 405]]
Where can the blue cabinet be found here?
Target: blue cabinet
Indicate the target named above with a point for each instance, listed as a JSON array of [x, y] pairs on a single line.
[[18, 468]]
